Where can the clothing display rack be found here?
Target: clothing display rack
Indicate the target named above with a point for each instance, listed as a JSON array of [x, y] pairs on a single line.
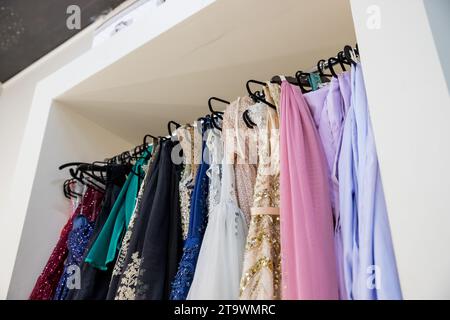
[[113, 117]]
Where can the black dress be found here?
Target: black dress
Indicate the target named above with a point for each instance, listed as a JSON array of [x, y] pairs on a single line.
[[155, 246], [94, 282], [163, 239], [122, 285]]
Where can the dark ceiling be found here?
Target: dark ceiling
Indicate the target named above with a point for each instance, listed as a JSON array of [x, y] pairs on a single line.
[[29, 29]]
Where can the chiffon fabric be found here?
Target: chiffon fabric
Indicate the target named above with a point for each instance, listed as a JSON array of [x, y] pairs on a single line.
[[307, 237], [106, 246], [328, 107], [219, 265], [369, 262], [124, 278], [162, 243], [121, 258]]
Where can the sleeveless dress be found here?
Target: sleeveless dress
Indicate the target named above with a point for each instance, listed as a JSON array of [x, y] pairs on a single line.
[[219, 265], [77, 242], [307, 235], [197, 225], [261, 278], [53, 278]]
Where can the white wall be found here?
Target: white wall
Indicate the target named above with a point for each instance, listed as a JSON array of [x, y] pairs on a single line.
[[16, 99], [410, 110], [15, 103], [68, 137]]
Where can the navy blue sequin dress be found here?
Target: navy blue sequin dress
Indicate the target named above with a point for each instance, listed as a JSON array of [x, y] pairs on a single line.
[[197, 225], [77, 242]]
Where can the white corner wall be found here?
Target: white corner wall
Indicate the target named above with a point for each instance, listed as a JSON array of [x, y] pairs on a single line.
[[68, 137], [410, 111], [15, 104]]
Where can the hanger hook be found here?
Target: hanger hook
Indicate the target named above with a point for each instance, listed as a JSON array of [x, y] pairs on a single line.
[[216, 99], [177, 125]]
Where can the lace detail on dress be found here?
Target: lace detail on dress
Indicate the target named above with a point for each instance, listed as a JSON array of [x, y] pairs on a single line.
[[197, 225], [128, 282], [118, 266], [240, 140], [261, 278], [272, 92], [215, 147], [186, 186], [127, 285]]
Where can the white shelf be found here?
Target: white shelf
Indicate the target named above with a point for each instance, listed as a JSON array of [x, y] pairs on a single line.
[[171, 73]]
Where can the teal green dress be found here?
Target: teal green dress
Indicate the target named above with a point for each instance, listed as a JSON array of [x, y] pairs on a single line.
[[105, 247]]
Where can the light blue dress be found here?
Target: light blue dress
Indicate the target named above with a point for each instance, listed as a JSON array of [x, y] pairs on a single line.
[[370, 269]]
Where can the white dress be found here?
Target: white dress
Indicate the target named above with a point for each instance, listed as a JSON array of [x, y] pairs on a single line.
[[219, 265]]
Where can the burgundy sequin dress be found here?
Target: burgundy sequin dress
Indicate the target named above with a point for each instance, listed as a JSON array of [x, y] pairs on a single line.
[[46, 284]]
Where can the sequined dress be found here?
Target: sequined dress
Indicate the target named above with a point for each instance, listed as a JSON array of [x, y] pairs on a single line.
[[54, 274], [191, 156], [241, 140], [197, 225], [261, 277]]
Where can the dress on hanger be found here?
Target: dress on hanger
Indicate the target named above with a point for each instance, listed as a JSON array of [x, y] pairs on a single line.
[[191, 153], [48, 281], [214, 144], [123, 283], [307, 237], [369, 262], [197, 224], [328, 107], [219, 265], [241, 141], [94, 282], [162, 244], [120, 261], [261, 277], [106, 246]]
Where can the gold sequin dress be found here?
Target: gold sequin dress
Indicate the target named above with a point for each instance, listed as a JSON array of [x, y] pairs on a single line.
[[191, 155], [261, 278]]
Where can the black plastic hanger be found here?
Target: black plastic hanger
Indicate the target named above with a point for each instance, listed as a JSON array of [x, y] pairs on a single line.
[[300, 75], [321, 67], [216, 99], [248, 122], [278, 80], [349, 54], [343, 60], [331, 62], [258, 95], [177, 125], [216, 119]]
